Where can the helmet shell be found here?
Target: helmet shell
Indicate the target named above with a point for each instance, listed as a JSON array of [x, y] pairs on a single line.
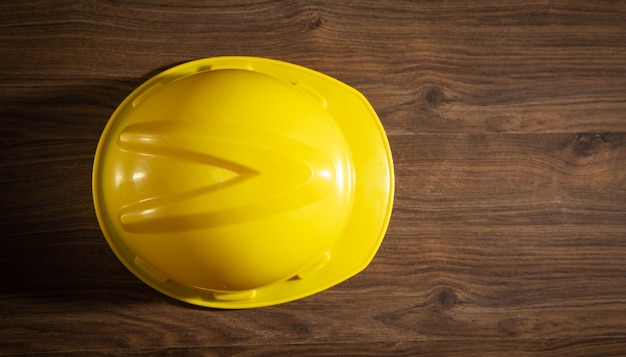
[[235, 182]]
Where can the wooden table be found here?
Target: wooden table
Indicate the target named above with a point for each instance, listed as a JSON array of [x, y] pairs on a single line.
[[507, 122]]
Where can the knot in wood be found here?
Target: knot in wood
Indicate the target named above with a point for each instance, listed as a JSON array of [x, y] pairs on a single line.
[[434, 97], [445, 298], [315, 22], [590, 144]]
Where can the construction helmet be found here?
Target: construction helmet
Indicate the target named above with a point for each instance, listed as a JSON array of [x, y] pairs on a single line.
[[241, 182]]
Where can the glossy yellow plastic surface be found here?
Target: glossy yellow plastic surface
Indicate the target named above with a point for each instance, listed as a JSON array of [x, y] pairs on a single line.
[[240, 182]]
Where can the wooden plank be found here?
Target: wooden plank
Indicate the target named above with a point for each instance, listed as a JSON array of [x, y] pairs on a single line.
[[472, 347], [135, 319], [532, 66], [511, 179]]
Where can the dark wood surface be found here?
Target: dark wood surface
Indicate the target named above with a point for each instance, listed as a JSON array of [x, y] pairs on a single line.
[[507, 122]]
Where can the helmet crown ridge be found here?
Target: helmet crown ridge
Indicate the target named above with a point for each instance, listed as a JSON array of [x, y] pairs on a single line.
[[305, 174]]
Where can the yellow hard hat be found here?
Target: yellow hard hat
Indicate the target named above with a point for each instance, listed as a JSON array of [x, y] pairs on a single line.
[[241, 182]]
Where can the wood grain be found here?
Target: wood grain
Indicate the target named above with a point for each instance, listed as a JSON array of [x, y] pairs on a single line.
[[507, 123], [549, 347]]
